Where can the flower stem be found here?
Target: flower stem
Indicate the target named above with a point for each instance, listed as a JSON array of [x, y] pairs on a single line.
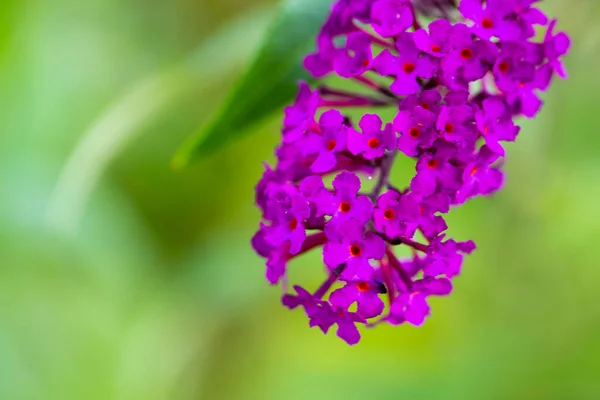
[[416, 23], [376, 39], [311, 242], [388, 281], [384, 175], [374, 85], [331, 279], [395, 263], [414, 245]]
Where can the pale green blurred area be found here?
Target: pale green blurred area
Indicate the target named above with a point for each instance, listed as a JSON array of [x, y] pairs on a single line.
[[128, 280]]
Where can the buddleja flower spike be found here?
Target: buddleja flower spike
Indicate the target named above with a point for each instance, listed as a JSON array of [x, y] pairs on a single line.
[[458, 86]]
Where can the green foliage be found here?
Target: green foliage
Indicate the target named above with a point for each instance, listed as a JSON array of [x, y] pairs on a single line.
[[269, 82]]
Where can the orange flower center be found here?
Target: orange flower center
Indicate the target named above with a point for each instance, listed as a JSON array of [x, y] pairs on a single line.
[[414, 132], [408, 67], [389, 214], [363, 287], [293, 224], [345, 206], [433, 163], [373, 143], [355, 250], [487, 23]]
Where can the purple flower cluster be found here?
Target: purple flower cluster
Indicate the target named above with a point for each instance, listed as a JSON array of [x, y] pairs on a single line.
[[458, 86]]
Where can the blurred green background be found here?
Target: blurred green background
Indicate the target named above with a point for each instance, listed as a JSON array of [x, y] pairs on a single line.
[[122, 279]]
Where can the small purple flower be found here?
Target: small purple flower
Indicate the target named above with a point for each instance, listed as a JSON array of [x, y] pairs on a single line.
[[269, 180], [374, 140], [288, 224], [396, 214], [554, 47], [330, 140], [416, 130], [364, 293], [348, 244], [512, 71], [526, 100], [445, 258], [427, 99], [391, 17], [300, 117], [456, 124], [348, 203], [320, 63], [346, 322], [356, 57], [435, 43], [495, 124], [491, 20], [406, 67], [323, 315], [528, 16], [277, 257], [435, 172], [479, 178], [412, 307], [430, 224], [301, 298], [320, 199], [469, 61]]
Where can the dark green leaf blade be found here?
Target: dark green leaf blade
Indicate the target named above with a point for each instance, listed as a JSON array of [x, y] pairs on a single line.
[[269, 82]]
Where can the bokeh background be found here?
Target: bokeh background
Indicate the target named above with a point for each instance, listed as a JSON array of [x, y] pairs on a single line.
[[122, 279]]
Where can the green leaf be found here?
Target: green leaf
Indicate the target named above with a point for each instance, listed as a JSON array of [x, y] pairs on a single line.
[[269, 82]]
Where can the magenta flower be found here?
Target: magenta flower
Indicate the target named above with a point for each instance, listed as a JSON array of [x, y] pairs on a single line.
[[288, 225], [457, 88], [469, 60], [417, 130], [435, 42], [364, 293], [349, 204], [374, 140], [436, 171], [554, 47], [277, 257], [412, 307], [491, 19], [409, 65], [396, 214], [495, 124], [349, 245], [426, 99], [445, 258], [327, 142], [479, 177], [391, 17], [300, 117], [323, 315], [356, 57], [320, 199], [512, 69], [456, 124]]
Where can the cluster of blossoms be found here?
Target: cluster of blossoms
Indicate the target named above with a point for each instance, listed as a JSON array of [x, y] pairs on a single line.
[[458, 86]]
